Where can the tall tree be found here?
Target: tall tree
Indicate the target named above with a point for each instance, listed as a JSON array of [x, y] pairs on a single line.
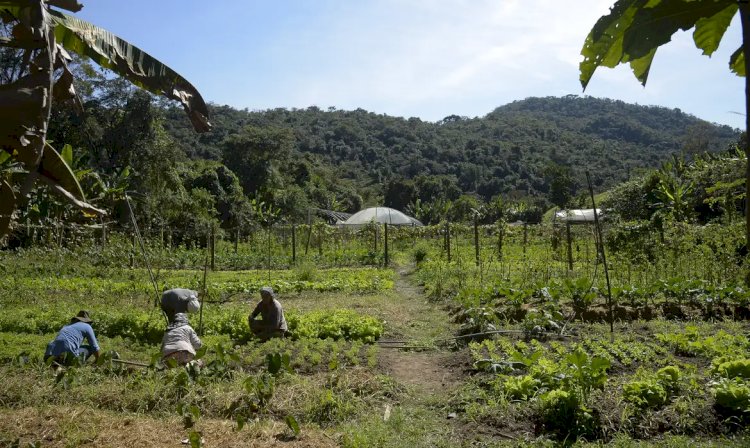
[[635, 29]]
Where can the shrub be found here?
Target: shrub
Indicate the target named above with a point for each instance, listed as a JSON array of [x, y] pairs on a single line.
[[420, 253], [306, 272]]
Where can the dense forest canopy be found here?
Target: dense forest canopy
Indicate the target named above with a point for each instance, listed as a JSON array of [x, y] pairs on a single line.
[[508, 152], [273, 165]]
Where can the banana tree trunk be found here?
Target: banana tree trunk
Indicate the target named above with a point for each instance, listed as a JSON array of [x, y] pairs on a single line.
[[745, 19]]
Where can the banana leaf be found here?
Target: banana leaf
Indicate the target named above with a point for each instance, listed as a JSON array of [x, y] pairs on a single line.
[[131, 62]]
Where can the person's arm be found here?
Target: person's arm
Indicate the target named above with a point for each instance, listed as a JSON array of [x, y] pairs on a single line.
[[276, 315], [194, 339], [256, 311], [91, 337]]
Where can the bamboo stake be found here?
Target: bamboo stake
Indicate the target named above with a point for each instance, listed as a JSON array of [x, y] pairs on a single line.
[[604, 258]]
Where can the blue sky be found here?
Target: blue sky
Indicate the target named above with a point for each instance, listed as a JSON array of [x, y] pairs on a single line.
[[422, 58]]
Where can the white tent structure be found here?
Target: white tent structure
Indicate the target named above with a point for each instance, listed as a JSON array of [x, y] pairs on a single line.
[[382, 215], [580, 216]]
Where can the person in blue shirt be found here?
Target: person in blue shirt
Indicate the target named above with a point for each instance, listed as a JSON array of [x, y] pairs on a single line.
[[67, 347]]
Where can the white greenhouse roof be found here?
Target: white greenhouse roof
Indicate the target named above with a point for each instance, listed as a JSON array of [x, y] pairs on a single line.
[[381, 215], [577, 216]]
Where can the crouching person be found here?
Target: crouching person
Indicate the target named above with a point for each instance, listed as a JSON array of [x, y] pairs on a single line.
[[67, 348], [272, 323], [180, 341]]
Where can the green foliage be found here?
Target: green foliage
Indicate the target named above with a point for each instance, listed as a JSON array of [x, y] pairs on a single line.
[[149, 327], [559, 409], [587, 372], [732, 396], [520, 388], [634, 29], [646, 393], [581, 292], [691, 342], [655, 390], [292, 424], [562, 414], [734, 369]]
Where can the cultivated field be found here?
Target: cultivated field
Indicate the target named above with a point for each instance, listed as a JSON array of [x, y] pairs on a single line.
[[492, 341]]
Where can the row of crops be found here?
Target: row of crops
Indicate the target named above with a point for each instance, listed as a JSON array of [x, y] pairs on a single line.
[[639, 253]]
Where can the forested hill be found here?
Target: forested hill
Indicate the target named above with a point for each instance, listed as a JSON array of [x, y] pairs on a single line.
[[509, 151]]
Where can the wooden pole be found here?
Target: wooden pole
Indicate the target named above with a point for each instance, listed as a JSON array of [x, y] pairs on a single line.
[[268, 259], [213, 248], [604, 258], [500, 235], [570, 246], [294, 244], [320, 241], [132, 252], [236, 239], [104, 232], [309, 232], [385, 245], [204, 293], [476, 239], [525, 235], [448, 239]]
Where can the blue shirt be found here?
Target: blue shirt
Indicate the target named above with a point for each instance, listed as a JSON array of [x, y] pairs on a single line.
[[70, 339]]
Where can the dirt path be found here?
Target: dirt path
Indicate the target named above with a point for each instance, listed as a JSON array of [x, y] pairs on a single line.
[[426, 372]]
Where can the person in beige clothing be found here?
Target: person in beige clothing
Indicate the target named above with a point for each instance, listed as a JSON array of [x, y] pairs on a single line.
[[272, 323]]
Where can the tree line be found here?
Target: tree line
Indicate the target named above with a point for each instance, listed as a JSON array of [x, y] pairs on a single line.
[[262, 167]]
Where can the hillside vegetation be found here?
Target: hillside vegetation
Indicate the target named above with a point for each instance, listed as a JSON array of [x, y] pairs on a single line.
[[271, 166]]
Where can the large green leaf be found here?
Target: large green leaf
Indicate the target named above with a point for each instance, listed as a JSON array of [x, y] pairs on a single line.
[[655, 24], [129, 61], [634, 29], [709, 30], [603, 45], [56, 188], [737, 62], [67, 155], [54, 167]]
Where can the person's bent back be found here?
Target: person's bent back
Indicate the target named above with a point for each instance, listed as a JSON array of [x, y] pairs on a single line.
[[68, 346], [272, 323], [180, 341]]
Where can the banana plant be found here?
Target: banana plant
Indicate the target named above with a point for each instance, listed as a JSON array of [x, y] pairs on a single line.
[[44, 35], [634, 29]]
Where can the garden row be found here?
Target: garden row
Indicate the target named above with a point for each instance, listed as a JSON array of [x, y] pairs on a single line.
[[691, 381], [148, 326], [219, 284]]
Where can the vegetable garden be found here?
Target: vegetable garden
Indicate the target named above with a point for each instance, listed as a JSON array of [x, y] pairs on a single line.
[[517, 344]]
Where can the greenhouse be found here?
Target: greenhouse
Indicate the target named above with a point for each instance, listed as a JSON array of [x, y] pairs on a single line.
[[382, 215], [577, 216]]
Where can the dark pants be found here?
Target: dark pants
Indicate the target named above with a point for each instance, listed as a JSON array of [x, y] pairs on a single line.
[[264, 332], [69, 359]]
